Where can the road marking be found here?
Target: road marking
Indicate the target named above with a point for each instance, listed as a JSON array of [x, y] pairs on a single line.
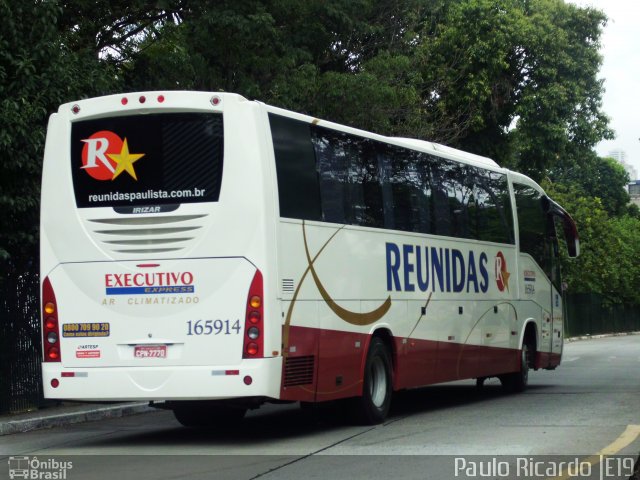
[[627, 438], [571, 359]]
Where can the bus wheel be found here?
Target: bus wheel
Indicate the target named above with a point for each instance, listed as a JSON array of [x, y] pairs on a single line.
[[517, 382], [208, 416], [374, 404]]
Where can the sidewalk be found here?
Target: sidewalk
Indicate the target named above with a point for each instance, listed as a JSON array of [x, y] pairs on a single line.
[[68, 413]]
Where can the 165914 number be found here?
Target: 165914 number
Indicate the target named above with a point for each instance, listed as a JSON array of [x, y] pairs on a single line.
[[213, 327]]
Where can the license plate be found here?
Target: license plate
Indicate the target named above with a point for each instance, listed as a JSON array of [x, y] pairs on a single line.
[[150, 351]]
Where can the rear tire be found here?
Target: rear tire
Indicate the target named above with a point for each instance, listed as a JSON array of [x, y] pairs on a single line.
[[517, 382], [208, 415], [373, 406]]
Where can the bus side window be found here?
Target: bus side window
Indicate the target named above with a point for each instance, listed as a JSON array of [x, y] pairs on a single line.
[[298, 183], [533, 224], [410, 196], [332, 170], [494, 219], [349, 178]]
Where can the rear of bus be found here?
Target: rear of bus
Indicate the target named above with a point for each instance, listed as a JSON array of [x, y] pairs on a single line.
[[155, 240]]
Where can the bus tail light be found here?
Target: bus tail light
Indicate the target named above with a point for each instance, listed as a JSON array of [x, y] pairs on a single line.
[[50, 325], [253, 345]]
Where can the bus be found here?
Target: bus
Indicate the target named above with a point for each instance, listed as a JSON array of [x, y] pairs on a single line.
[[208, 254]]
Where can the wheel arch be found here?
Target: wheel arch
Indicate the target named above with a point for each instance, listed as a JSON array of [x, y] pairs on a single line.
[[384, 334], [369, 407]]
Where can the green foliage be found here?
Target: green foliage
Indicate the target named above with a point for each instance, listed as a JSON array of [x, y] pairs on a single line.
[[610, 247], [597, 177], [48, 56], [113, 28], [515, 80], [37, 73], [560, 118]]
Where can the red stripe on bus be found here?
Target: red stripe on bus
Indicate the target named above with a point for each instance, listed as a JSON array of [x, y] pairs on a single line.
[[337, 359]]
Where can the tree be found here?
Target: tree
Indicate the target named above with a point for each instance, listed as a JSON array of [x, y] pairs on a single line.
[[560, 117], [604, 178], [114, 29], [511, 79], [37, 73], [516, 80], [609, 246], [51, 53]]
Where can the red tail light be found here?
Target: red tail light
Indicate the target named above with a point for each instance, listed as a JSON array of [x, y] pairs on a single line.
[[253, 345], [50, 326]]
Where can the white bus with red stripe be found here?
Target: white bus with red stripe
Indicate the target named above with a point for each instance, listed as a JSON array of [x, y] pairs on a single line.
[[209, 254]]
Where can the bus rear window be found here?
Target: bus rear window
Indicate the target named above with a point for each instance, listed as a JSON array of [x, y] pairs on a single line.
[[159, 159]]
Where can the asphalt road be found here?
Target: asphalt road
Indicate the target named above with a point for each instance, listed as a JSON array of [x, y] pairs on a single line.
[[588, 407]]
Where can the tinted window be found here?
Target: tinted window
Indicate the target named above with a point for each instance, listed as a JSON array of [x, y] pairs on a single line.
[[438, 196], [298, 186], [360, 181], [458, 186], [407, 203], [531, 222], [349, 178], [494, 221], [156, 159]]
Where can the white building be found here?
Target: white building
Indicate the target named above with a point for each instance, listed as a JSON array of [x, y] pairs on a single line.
[[621, 156], [634, 192]]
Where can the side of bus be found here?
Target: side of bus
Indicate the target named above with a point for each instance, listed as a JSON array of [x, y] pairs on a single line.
[[323, 262], [400, 267]]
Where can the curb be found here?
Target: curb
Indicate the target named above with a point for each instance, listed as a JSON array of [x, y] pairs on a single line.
[[604, 335], [88, 415]]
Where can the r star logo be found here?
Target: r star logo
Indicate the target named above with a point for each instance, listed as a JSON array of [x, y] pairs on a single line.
[[105, 156], [502, 275], [125, 161]]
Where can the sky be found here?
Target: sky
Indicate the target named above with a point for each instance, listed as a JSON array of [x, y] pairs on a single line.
[[621, 72]]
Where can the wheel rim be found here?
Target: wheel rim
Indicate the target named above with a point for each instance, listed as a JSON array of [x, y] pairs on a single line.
[[378, 383]]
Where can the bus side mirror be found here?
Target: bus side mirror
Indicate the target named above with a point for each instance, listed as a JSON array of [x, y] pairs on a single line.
[[568, 225], [570, 234], [573, 246]]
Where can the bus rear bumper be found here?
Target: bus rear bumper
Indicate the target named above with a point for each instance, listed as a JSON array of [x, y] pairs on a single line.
[[252, 378]]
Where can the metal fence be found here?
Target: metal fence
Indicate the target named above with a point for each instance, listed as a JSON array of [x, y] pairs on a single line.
[[20, 344], [589, 314]]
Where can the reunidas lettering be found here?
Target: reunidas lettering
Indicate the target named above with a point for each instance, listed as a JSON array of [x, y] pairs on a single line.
[[411, 267]]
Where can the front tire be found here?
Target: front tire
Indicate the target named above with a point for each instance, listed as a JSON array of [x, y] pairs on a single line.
[[517, 382], [373, 406]]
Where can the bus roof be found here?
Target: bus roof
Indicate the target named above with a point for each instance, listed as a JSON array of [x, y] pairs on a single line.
[[412, 143], [94, 107], [458, 154]]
